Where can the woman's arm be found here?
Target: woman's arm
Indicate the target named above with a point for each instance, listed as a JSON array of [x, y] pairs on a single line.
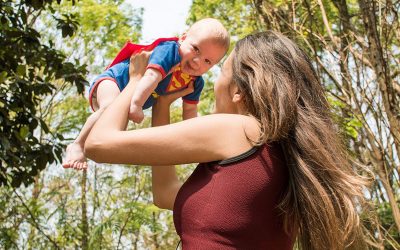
[[202, 139], [165, 182], [188, 110]]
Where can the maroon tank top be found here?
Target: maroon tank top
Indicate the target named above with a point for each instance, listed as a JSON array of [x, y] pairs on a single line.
[[232, 204]]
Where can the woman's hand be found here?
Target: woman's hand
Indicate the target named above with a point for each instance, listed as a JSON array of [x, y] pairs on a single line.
[[138, 65], [170, 98], [160, 115]]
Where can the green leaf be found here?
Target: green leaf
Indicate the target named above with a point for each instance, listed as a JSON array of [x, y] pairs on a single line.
[[3, 76], [21, 70], [5, 143], [23, 131]]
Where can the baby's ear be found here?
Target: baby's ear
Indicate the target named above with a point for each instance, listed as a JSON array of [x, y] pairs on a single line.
[[183, 37]]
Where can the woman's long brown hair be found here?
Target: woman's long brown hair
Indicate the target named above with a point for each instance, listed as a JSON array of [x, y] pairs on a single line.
[[282, 90]]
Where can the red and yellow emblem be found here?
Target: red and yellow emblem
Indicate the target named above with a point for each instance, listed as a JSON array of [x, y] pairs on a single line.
[[179, 80]]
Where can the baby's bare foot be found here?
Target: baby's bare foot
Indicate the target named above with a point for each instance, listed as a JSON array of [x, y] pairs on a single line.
[[75, 157]]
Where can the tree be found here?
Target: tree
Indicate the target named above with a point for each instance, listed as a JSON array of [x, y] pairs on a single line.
[[29, 67], [58, 213]]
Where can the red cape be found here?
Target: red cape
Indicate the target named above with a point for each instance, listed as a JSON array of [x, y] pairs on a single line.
[[130, 48]]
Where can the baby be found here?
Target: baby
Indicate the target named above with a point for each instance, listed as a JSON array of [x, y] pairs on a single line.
[[173, 65]]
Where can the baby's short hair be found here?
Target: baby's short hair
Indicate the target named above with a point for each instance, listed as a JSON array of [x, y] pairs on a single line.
[[215, 29]]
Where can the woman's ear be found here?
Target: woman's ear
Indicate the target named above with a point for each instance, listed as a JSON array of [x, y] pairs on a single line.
[[237, 97], [236, 94]]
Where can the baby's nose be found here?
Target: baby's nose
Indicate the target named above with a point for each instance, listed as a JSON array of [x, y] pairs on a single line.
[[196, 61]]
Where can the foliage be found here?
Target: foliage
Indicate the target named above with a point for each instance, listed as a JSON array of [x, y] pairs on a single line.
[[65, 209], [387, 226], [28, 69], [105, 26], [237, 15], [119, 212]]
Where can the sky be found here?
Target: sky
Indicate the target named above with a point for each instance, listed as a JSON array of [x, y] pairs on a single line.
[[162, 18]]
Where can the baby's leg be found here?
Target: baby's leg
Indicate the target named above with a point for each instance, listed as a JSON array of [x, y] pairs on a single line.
[[106, 93]]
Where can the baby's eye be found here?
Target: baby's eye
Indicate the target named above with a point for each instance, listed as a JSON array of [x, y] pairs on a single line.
[[208, 61], [196, 49]]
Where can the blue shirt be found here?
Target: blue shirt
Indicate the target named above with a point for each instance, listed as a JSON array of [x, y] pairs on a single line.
[[166, 59]]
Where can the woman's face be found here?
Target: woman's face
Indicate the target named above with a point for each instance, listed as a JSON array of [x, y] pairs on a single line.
[[224, 89]]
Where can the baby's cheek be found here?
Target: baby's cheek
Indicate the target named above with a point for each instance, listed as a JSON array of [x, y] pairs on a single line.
[[204, 71]]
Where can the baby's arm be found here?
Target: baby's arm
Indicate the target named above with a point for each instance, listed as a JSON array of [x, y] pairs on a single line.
[[189, 110], [144, 88]]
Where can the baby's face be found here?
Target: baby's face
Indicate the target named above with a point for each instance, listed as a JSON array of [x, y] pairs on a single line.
[[199, 53]]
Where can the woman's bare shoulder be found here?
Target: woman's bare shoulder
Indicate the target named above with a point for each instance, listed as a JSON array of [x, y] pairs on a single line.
[[246, 123], [240, 130]]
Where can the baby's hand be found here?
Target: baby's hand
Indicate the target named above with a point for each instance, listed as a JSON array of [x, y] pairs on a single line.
[[136, 113]]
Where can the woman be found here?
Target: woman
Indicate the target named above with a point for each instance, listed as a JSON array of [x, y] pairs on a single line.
[[272, 169]]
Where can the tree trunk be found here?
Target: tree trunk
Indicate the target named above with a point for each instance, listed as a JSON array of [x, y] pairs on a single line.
[[84, 223], [35, 195], [156, 244], [389, 99]]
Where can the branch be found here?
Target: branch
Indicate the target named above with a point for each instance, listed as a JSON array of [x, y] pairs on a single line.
[[396, 87], [123, 227], [35, 223], [328, 28]]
